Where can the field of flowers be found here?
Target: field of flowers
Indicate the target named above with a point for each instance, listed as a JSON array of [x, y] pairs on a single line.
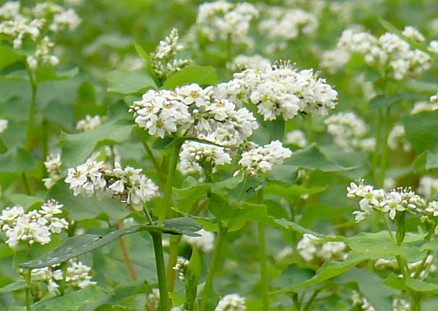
[[224, 155]]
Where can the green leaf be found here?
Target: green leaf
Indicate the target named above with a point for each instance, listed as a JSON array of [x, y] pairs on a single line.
[[48, 72], [193, 274], [16, 160], [202, 75], [421, 286], [421, 87], [129, 82], [12, 287], [81, 244], [312, 158], [328, 271], [291, 192], [26, 201], [8, 56], [289, 225], [395, 281], [431, 160], [381, 245], [188, 196], [72, 300], [77, 147], [143, 54], [422, 130], [389, 101]]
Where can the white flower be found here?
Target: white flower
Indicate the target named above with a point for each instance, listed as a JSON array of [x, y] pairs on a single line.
[[261, 159], [231, 302], [243, 62], [204, 243], [397, 139], [296, 137], [433, 46], [89, 123], [87, 178], [3, 125], [428, 186], [33, 226], [181, 266], [413, 34], [66, 19]]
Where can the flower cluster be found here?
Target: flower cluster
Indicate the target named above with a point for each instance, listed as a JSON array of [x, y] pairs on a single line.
[[181, 266], [261, 159], [297, 138], [33, 226], [312, 249], [430, 105], [89, 123], [428, 187], [363, 303], [195, 155], [204, 242], [243, 62], [53, 166], [426, 265], [77, 276], [193, 108], [280, 25], [221, 20], [349, 131], [231, 302], [280, 91], [3, 125], [391, 202], [163, 59], [388, 51], [127, 183], [36, 24], [397, 139]]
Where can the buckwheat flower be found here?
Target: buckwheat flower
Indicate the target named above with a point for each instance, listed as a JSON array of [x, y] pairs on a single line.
[[42, 54], [87, 179], [154, 298], [33, 226], [168, 47], [204, 243], [53, 166], [296, 137], [397, 139], [348, 131], [432, 208], [78, 275], [181, 266], [89, 123], [399, 304], [433, 46], [261, 159], [10, 10], [413, 34], [383, 263], [162, 112], [428, 186], [424, 106], [65, 20], [333, 250], [195, 155], [362, 302], [242, 62], [426, 265], [231, 302], [284, 254], [3, 125], [307, 247]]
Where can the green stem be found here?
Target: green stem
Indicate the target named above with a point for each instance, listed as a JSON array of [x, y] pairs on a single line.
[[151, 155], [167, 200], [384, 146], [26, 183], [376, 154], [32, 110], [263, 261], [311, 299], [161, 271], [173, 258], [27, 277], [213, 266]]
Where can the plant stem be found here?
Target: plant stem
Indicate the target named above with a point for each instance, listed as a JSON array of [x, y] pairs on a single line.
[[32, 109], [167, 200], [173, 257], [311, 299], [384, 146], [150, 154], [376, 154], [26, 183], [27, 277], [126, 257], [161, 272], [213, 266], [262, 256]]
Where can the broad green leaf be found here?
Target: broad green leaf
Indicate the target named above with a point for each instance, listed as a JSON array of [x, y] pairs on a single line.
[[24, 200], [16, 160], [422, 130], [328, 271], [381, 245], [77, 147], [188, 196], [312, 158], [130, 82], [421, 286], [143, 54], [48, 72], [395, 281], [202, 75], [81, 244], [291, 192], [229, 183], [12, 287], [371, 286], [422, 87], [8, 56], [289, 225], [72, 300]]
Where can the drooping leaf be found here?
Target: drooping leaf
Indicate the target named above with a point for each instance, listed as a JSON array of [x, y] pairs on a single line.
[[422, 130], [202, 75], [422, 286], [12, 287], [130, 82], [181, 225], [8, 56], [77, 147], [329, 270]]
